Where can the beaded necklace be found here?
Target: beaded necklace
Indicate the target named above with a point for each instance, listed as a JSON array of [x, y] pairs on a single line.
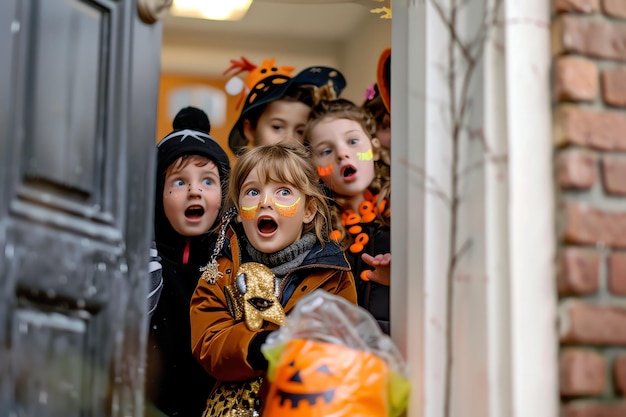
[[367, 212]]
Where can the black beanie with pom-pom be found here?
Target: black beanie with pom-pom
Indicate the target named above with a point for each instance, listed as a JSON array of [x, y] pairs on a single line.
[[192, 118], [189, 137]]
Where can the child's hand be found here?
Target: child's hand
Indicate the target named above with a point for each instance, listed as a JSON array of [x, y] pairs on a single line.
[[382, 263]]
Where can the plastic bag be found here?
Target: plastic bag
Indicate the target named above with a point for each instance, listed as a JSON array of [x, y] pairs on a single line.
[[331, 359]]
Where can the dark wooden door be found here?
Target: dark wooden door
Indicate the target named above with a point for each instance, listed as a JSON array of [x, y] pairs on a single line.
[[78, 99]]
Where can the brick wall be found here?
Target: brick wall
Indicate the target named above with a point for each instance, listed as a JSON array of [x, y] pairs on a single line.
[[589, 96]]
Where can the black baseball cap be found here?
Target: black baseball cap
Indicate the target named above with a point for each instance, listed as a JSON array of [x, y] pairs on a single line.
[[276, 87]]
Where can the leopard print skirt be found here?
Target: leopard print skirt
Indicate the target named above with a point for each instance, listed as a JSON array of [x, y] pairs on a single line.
[[234, 399]]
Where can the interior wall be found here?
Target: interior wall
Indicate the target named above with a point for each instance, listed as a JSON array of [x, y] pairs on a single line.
[[195, 85], [210, 57], [359, 55], [188, 61]]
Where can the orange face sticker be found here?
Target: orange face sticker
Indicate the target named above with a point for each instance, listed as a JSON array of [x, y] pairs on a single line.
[[248, 213], [288, 211], [325, 171], [365, 156]]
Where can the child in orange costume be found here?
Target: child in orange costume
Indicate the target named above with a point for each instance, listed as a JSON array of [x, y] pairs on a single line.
[[276, 252]]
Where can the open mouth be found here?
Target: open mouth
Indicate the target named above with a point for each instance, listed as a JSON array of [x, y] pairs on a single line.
[[348, 171], [194, 212], [267, 225]]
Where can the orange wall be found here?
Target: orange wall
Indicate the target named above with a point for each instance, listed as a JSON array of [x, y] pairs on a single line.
[[219, 132]]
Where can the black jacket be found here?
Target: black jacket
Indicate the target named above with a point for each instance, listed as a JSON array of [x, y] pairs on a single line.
[[176, 384], [372, 296]]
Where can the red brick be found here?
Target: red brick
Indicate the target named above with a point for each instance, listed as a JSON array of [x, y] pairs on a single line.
[[614, 86], [594, 409], [602, 130], [581, 373], [619, 371], [614, 174], [593, 38], [584, 323], [586, 225], [578, 271], [576, 6], [576, 169], [617, 273], [615, 8], [575, 79]]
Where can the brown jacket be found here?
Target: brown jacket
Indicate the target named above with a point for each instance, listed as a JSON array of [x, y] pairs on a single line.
[[220, 343]]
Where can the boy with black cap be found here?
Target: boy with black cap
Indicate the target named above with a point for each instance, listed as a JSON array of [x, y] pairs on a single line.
[[192, 174], [277, 107]]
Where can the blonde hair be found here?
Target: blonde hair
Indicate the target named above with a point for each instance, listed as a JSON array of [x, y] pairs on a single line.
[[345, 109], [284, 163]]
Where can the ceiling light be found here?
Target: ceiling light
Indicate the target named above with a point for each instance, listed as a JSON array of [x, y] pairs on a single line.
[[211, 9]]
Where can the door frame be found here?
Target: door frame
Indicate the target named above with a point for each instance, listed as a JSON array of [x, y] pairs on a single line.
[[520, 329]]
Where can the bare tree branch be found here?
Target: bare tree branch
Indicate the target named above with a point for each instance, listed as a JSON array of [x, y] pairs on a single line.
[[450, 23], [496, 159], [464, 248], [429, 184], [459, 76]]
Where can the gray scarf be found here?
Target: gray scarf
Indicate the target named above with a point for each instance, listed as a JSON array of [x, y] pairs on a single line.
[[286, 259]]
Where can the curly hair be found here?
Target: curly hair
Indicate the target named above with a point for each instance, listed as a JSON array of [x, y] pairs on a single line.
[[376, 107], [345, 109]]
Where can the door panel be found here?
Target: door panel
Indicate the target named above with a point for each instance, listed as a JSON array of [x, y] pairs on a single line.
[[78, 98], [68, 81], [69, 68]]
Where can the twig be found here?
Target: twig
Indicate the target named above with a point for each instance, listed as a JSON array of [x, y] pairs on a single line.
[[459, 106]]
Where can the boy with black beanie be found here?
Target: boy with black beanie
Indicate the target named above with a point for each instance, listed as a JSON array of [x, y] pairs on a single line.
[[192, 175]]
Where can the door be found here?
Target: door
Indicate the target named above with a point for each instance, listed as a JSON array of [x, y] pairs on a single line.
[[78, 94]]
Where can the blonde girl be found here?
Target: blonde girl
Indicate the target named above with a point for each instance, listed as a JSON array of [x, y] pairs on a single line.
[[275, 251]]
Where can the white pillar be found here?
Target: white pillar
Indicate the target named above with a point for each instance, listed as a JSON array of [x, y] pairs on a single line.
[[504, 340], [531, 214]]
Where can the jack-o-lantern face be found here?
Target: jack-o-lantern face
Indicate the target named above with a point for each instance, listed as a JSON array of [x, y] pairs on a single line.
[[311, 397], [322, 379]]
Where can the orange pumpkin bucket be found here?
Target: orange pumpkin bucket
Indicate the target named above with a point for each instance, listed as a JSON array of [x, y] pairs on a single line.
[[317, 379]]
